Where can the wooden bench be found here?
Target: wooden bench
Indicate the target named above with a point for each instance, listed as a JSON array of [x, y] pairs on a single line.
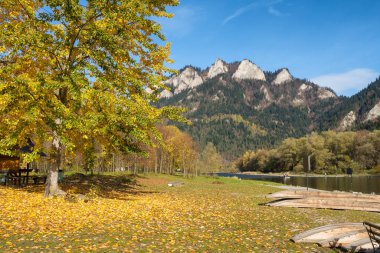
[[373, 231], [20, 177], [17, 177]]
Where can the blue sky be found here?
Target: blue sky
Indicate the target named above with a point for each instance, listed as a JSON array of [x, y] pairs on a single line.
[[335, 43]]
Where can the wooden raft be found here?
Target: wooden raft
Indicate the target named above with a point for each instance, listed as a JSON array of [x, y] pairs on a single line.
[[326, 200]]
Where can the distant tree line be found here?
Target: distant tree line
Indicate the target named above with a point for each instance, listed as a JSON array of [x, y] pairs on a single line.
[[175, 153], [330, 152]]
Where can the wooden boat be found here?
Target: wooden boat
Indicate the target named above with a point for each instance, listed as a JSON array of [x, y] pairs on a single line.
[[345, 238], [351, 237], [326, 200], [337, 204], [319, 193], [320, 234]]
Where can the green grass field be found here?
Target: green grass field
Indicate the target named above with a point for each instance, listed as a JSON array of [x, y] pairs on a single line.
[[143, 214]]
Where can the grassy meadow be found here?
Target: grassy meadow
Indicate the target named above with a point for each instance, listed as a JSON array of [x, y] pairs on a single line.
[[124, 213]]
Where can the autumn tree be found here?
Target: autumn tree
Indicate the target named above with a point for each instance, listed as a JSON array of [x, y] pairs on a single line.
[[177, 151], [210, 159], [290, 152], [78, 71], [365, 152], [330, 152]]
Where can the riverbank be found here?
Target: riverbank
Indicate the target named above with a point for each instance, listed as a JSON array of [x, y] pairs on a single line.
[[303, 175], [144, 214], [365, 184]]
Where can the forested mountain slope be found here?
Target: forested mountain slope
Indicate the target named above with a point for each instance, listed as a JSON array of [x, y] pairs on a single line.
[[238, 106], [360, 111]]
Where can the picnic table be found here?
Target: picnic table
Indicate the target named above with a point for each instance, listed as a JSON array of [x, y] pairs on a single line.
[[17, 177], [21, 177], [12, 174]]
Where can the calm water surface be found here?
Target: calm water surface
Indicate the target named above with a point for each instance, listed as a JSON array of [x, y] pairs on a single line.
[[365, 184]]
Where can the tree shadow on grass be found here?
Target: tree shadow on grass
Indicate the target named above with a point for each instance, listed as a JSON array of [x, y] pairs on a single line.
[[106, 186]]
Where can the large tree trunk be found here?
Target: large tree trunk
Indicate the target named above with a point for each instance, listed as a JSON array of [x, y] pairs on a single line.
[[51, 188], [52, 180], [56, 153]]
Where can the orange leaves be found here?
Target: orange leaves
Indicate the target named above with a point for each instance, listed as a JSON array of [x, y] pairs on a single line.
[[197, 217]]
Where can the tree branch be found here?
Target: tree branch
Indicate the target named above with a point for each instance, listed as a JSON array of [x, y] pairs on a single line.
[[3, 62]]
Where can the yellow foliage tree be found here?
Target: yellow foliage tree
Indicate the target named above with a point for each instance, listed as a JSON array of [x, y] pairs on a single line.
[[73, 72], [177, 151]]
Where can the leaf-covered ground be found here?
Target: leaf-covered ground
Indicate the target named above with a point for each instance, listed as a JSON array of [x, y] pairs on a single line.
[[143, 214]]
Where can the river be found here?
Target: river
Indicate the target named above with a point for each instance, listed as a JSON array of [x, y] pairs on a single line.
[[364, 184]]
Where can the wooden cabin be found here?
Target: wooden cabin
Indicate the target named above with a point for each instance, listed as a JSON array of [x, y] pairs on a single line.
[[9, 163]]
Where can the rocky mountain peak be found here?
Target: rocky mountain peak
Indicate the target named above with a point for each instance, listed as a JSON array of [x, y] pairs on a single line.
[[219, 67], [188, 78], [282, 77], [248, 70], [241, 109]]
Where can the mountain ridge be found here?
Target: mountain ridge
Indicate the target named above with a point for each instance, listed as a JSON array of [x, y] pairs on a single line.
[[276, 104]]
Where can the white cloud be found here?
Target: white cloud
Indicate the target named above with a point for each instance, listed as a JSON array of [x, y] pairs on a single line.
[[353, 80], [270, 5], [239, 12]]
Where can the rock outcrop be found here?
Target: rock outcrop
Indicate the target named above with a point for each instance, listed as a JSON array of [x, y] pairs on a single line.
[[166, 94], [374, 113], [304, 87], [219, 67], [324, 93], [267, 98], [280, 104], [188, 78], [347, 121], [282, 77], [300, 99], [248, 70]]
